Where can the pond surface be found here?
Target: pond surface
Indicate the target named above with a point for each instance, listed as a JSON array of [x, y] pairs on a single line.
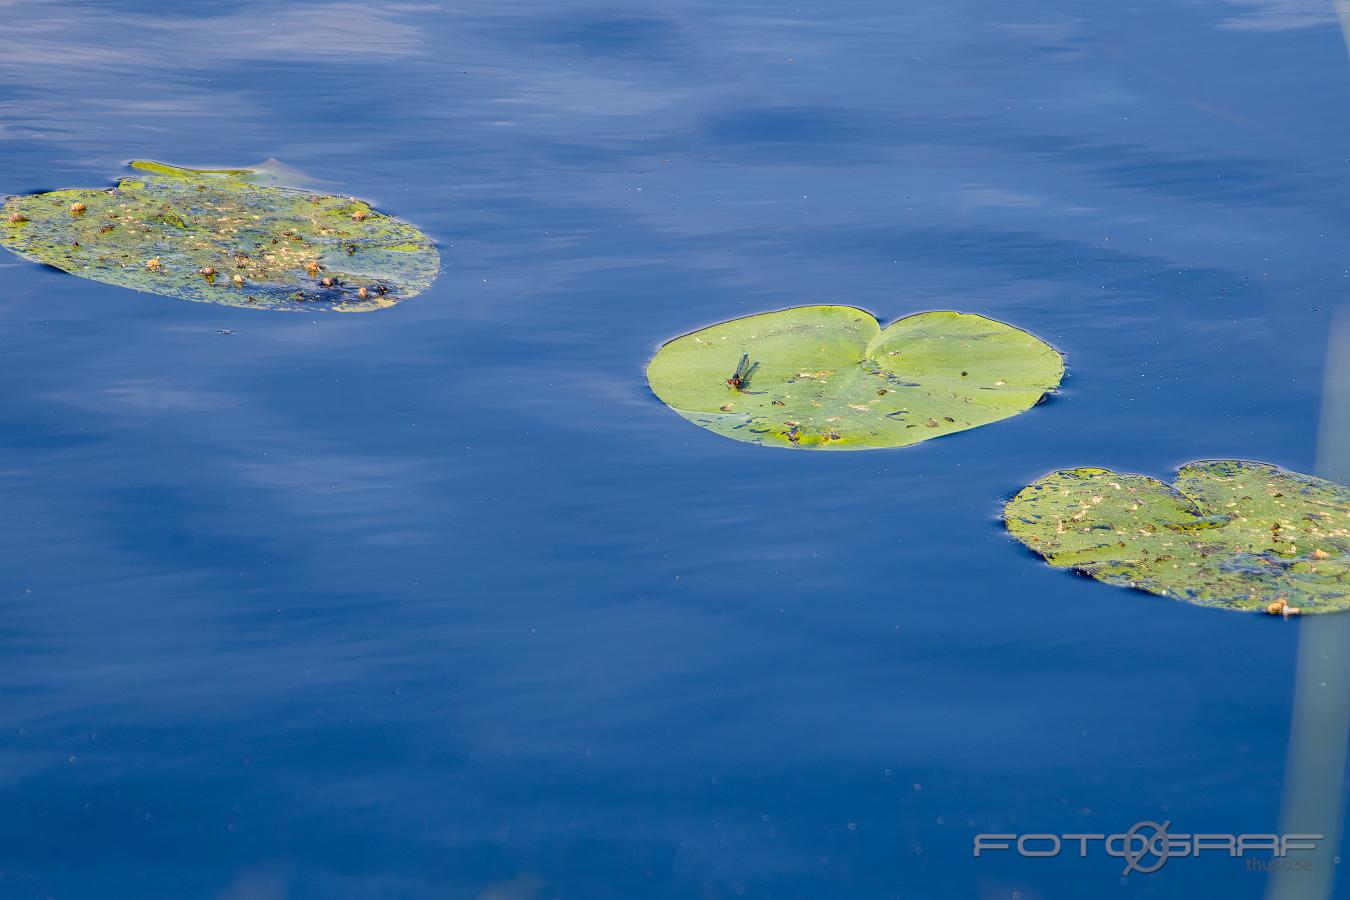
[[441, 602]]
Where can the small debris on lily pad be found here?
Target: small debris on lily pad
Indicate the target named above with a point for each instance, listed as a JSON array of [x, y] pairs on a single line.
[[227, 236], [829, 377], [1227, 533]]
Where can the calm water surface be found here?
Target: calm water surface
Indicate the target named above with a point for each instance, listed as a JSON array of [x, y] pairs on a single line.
[[440, 602]]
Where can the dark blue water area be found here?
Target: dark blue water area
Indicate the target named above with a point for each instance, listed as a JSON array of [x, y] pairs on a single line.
[[440, 602]]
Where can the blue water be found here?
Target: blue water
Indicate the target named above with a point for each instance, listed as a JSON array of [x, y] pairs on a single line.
[[440, 602]]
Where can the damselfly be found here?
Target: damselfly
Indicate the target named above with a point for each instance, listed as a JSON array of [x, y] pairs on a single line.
[[740, 379]]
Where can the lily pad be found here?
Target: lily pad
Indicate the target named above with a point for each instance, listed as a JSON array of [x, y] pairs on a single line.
[[829, 377], [1227, 533], [228, 236]]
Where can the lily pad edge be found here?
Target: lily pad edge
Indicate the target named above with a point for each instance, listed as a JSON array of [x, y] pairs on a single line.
[[1176, 470], [269, 174], [1054, 391]]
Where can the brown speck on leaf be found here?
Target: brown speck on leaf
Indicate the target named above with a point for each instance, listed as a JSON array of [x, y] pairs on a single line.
[[238, 280], [1281, 607], [154, 265], [77, 208], [106, 228], [726, 407], [326, 282], [208, 271], [312, 268], [363, 294], [16, 218], [360, 215], [932, 423], [1319, 553]]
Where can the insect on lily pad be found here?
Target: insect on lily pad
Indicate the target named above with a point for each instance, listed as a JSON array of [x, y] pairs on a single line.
[[1227, 533], [228, 236], [830, 378]]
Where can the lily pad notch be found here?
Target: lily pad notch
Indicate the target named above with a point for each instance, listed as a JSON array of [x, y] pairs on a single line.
[[830, 378], [1227, 533], [228, 236]]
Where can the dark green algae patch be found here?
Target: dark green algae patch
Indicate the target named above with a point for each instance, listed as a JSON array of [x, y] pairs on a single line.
[[1227, 533], [224, 236]]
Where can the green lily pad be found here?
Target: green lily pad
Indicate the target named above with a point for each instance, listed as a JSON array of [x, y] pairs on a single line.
[[829, 377], [1228, 533], [228, 236]]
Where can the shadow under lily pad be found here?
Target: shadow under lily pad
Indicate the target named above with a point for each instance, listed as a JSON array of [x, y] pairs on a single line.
[[1228, 533], [224, 236], [829, 377]]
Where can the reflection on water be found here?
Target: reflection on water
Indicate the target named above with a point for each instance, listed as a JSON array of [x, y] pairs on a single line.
[[438, 600], [1314, 797], [1314, 794]]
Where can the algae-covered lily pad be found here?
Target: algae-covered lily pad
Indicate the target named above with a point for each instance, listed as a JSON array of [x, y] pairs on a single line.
[[829, 377], [1227, 533], [224, 236]]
